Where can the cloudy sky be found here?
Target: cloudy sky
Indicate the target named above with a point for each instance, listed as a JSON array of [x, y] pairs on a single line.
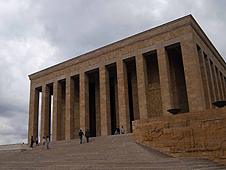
[[38, 34]]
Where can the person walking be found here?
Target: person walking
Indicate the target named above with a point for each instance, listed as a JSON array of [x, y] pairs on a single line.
[[87, 135], [32, 141], [81, 134], [47, 142]]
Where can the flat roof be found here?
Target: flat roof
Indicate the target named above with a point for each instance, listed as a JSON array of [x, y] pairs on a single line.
[[108, 46]]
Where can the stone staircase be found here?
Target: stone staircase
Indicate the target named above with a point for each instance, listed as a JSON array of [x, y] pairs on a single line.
[[111, 152]]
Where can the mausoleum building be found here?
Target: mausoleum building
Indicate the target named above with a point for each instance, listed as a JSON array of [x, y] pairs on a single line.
[[172, 66]]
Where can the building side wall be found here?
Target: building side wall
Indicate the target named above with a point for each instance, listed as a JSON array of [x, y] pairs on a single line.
[[213, 72]]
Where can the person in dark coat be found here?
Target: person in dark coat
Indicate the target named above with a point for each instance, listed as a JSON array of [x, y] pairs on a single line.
[[47, 142], [36, 141], [87, 135], [81, 134], [32, 141]]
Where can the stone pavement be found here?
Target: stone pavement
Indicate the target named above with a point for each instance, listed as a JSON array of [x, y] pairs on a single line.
[[111, 152]]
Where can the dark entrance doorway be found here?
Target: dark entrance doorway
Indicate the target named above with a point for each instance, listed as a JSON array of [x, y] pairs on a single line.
[[94, 103], [92, 109], [50, 109], [178, 84], [62, 109]]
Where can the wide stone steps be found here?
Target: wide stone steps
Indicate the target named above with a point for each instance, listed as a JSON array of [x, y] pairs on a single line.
[[111, 152]]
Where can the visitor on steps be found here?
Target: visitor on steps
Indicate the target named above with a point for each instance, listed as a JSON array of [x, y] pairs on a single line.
[[81, 134], [117, 131], [87, 135], [122, 130], [36, 141], [32, 141], [43, 140], [47, 142]]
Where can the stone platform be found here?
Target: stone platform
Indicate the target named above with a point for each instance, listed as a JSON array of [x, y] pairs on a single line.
[[111, 152], [199, 134], [14, 147]]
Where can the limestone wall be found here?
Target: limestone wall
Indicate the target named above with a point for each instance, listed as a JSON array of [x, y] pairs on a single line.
[[154, 100], [189, 134]]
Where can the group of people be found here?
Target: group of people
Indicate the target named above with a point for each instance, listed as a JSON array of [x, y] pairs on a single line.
[[81, 134], [45, 141], [87, 134], [119, 131]]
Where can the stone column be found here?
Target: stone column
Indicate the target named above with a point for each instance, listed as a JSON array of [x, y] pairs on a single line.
[[223, 86], [76, 111], [104, 104], [164, 77], [192, 73], [135, 95], [221, 92], [212, 84], [45, 111], [123, 95], [206, 85], [97, 105], [116, 101], [141, 85], [84, 103], [56, 111], [216, 82], [33, 113], [69, 115]]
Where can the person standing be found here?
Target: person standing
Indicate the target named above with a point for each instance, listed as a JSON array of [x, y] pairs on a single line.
[[122, 130], [81, 134], [47, 142], [87, 135], [43, 140], [32, 141], [36, 141]]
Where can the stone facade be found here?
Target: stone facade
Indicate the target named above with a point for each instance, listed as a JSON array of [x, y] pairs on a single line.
[[171, 66], [197, 134]]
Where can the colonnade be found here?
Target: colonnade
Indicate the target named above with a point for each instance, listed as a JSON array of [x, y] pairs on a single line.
[[114, 95]]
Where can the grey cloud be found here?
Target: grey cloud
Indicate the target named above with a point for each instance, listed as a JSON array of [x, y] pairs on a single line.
[[9, 109], [79, 26], [13, 130]]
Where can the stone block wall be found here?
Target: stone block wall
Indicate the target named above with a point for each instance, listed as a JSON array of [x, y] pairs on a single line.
[[190, 134], [154, 100]]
